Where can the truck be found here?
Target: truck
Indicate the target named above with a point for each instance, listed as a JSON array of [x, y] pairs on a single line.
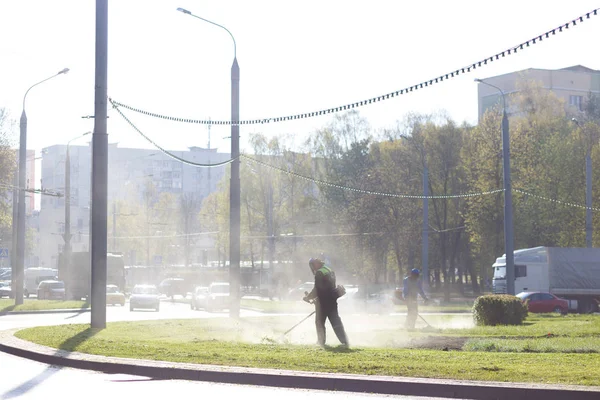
[[572, 273], [77, 275]]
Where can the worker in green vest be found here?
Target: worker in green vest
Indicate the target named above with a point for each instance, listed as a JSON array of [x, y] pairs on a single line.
[[325, 294]]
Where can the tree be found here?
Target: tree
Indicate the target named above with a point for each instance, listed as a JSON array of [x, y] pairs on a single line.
[[7, 171], [189, 208]]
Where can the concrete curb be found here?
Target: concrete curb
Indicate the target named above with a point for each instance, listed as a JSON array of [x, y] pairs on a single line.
[[294, 379], [55, 311]]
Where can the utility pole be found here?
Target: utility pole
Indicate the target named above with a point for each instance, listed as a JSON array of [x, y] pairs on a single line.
[[114, 230], [15, 217], [508, 217], [509, 247], [67, 234], [234, 184], [100, 172], [589, 229], [234, 187], [425, 237]]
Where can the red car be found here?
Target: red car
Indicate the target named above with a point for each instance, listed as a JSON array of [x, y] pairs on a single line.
[[543, 302]]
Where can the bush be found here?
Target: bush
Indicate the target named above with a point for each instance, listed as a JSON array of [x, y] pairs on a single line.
[[499, 309]]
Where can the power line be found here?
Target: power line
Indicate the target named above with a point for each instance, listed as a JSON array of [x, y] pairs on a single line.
[[421, 85], [44, 192]]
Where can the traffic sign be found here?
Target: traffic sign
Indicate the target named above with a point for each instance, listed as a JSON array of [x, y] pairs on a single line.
[[3, 253], [157, 260]]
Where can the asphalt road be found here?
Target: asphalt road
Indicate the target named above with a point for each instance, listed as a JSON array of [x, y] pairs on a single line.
[[29, 380]]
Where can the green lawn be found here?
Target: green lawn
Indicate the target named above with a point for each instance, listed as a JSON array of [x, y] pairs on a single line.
[[379, 346], [35, 305]]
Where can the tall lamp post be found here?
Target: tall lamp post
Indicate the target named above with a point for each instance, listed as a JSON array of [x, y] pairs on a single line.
[[508, 215], [67, 235], [588, 191], [234, 185], [99, 211], [20, 266]]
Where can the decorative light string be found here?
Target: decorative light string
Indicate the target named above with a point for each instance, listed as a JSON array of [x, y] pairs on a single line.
[[333, 185], [370, 192], [563, 203], [421, 85], [173, 156]]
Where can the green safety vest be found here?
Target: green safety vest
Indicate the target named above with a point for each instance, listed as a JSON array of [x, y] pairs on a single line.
[[325, 270]]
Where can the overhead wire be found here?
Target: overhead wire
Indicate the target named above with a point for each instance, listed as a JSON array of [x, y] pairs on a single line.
[[164, 151], [409, 89]]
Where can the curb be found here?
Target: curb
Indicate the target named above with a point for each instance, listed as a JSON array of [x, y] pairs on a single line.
[[298, 379], [55, 311]]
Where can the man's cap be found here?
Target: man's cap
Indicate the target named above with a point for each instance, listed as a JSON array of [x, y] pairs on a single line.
[[415, 271]]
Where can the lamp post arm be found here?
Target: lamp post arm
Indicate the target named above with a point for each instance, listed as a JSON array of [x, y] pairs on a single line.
[[498, 89], [64, 71], [214, 23]]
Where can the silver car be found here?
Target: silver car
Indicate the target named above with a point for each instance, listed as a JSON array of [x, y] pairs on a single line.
[[144, 296]]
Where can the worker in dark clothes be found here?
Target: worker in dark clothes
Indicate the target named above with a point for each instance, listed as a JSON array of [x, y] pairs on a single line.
[[412, 288], [325, 293]]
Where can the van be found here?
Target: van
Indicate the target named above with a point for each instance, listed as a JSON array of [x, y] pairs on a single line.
[[33, 277]]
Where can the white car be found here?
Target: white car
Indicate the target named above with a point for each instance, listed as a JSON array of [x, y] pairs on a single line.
[[144, 296], [218, 296]]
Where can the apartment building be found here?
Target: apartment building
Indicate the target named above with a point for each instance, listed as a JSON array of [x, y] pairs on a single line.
[[573, 84], [130, 172]]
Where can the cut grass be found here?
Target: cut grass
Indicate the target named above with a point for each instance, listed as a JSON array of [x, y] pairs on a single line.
[[252, 342], [7, 305], [538, 325], [538, 345]]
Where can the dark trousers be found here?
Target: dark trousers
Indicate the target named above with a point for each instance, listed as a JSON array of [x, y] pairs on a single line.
[[411, 313], [329, 310]]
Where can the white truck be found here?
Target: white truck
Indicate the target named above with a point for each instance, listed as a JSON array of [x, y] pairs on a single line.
[[572, 273], [33, 277]]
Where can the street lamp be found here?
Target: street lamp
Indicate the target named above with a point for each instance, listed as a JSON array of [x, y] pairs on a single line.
[[588, 191], [67, 234], [234, 185], [20, 266], [425, 237], [508, 217]]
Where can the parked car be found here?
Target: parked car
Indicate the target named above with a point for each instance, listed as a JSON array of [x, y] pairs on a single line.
[[144, 296], [199, 298], [114, 296], [51, 290], [218, 296], [173, 286], [544, 302], [6, 290]]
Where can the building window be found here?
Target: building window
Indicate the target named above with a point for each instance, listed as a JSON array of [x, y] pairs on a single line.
[[576, 101]]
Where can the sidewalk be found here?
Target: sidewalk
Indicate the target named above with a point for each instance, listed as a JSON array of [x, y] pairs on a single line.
[[294, 379]]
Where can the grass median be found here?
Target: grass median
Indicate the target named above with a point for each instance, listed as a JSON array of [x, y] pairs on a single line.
[[380, 346], [7, 305]]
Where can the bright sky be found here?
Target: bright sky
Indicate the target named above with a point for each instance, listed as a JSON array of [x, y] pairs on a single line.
[[294, 57]]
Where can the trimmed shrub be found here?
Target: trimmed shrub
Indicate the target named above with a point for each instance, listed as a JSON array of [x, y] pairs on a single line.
[[499, 309]]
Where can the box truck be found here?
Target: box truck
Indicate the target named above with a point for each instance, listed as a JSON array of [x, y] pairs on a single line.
[[78, 274], [572, 273]]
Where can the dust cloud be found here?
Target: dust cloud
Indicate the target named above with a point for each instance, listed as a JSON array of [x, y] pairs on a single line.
[[363, 330]]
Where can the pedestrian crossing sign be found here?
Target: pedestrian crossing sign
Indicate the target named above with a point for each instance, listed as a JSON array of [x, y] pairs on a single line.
[[3, 253]]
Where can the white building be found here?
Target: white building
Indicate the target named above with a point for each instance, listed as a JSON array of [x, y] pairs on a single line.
[[129, 171]]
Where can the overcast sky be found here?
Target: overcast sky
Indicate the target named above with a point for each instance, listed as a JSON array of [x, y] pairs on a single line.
[[294, 57]]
